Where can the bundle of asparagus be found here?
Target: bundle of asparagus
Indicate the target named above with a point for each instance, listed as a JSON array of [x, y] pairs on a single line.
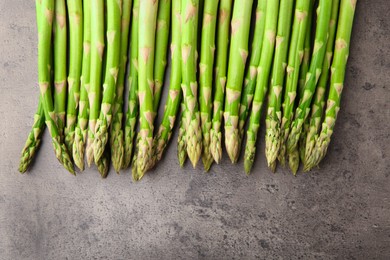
[[294, 55]]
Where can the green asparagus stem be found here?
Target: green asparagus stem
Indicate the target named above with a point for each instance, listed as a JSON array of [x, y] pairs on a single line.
[[189, 17], [95, 92], [206, 77], [160, 57], [341, 52], [237, 60], [224, 15], [132, 111], [303, 110], [294, 60], [173, 102], [111, 76], [116, 133], [137, 176], [146, 49], [83, 113], [33, 139], [75, 17], [306, 52], [319, 100], [60, 58], [251, 74], [274, 114], [263, 72], [44, 48], [181, 140]]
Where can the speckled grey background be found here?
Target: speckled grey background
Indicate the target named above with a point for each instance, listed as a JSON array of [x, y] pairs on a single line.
[[341, 211]]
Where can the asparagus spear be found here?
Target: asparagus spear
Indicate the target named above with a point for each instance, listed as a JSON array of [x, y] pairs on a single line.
[[237, 59], [251, 74], [339, 63], [206, 77], [173, 102], [303, 110], [306, 51], [75, 17], [319, 97], [132, 111], [294, 155], [225, 10], [273, 118], [116, 133], [44, 48], [189, 16], [146, 49], [33, 139], [160, 57], [181, 140], [111, 76], [103, 165], [60, 57], [294, 61], [95, 92], [83, 113], [263, 71]]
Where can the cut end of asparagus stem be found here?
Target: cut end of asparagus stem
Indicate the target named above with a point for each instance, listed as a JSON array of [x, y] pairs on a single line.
[[63, 155], [232, 143], [250, 152], [293, 161]]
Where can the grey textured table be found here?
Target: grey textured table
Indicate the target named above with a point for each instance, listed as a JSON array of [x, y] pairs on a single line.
[[341, 211]]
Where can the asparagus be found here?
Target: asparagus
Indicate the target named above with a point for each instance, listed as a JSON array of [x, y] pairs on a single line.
[[250, 78], [189, 16], [237, 59], [132, 111], [298, 156], [294, 155], [116, 133], [181, 140], [293, 66], [60, 57], [148, 16], [33, 140], [273, 118], [263, 71], [173, 102], [306, 52], [339, 63], [110, 79], [75, 14], [225, 10], [303, 110], [319, 96], [44, 47], [83, 113], [160, 57], [206, 77], [95, 92], [103, 165]]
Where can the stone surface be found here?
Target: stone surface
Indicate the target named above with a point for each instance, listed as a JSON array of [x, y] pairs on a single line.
[[340, 211]]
